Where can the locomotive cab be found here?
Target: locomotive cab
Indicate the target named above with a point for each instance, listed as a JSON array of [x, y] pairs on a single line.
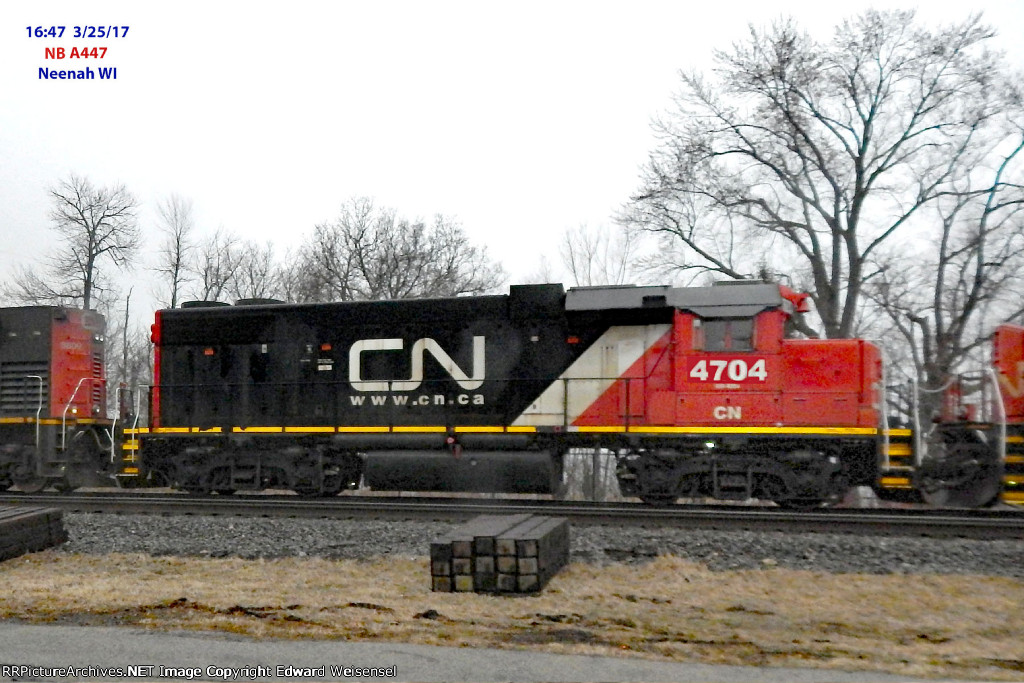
[[733, 409]]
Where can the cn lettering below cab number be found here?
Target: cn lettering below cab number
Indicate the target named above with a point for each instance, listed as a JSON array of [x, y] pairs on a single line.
[[728, 370], [727, 412]]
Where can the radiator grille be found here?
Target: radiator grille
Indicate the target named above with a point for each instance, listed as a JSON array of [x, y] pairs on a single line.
[[19, 394], [97, 373]]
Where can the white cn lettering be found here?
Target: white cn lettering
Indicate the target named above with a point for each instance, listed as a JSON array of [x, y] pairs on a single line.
[[727, 412], [419, 347], [1013, 387]]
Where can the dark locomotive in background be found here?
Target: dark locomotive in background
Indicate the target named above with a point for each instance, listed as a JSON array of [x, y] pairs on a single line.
[[699, 392]]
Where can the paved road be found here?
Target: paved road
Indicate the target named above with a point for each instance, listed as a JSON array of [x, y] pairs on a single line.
[[218, 657]]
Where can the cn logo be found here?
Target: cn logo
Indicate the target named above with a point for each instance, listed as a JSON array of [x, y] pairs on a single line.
[[1014, 387], [728, 412], [419, 347]]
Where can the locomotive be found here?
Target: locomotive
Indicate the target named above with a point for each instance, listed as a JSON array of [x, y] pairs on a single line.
[[974, 454], [697, 391], [54, 428]]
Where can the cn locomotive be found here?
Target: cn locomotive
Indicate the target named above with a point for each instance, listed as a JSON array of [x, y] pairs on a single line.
[[697, 391], [54, 428]]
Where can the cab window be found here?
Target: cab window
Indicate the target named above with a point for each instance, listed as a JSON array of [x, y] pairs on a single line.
[[725, 334]]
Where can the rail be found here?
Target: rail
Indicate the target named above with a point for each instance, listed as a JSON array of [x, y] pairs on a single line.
[[980, 524]]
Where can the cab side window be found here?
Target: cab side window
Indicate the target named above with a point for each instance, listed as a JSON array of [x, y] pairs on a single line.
[[725, 334]]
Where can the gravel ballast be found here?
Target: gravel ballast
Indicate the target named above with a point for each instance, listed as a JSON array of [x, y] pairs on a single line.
[[252, 538]]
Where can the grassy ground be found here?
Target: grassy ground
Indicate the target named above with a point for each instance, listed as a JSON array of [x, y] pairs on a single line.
[[950, 626]]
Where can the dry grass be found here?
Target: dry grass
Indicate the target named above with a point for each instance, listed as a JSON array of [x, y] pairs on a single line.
[[951, 626]]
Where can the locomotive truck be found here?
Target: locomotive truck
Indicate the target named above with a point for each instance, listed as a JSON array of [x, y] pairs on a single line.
[[54, 428], [697, 391]]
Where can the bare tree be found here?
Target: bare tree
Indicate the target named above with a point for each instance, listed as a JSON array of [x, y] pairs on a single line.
[[34, 286], [177, 226], [599, 256], [129, 369], [941, 299], [371, 253], [293, 282], [256, 275], [215, 265], [95, 225], [542, 273], [811, 157]]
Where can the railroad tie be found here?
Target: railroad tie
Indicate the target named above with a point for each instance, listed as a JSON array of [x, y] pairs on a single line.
[[500, 554], [29, 529]]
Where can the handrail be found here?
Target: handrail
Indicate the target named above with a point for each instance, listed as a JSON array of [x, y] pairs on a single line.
[[113, 425], [39, 409], [916, 415], [883, 406], [1002, 414], [67, 407], [138, 399]]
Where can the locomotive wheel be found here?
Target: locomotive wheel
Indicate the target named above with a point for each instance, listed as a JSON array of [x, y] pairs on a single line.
[[969, 478], [24, 476], [28, 481], [978, 493], [157, 478], [837, 490], [333, 483], [220, 481], [127, 482], [64, 485]]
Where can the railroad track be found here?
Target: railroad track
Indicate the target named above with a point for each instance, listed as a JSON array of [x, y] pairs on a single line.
[[979, 524]]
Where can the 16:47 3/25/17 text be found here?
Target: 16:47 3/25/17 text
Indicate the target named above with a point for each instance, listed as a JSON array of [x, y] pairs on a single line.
[[78, 31]]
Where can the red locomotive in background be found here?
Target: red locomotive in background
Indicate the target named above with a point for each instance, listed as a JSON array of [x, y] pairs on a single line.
[[53, 395], [973, 455]]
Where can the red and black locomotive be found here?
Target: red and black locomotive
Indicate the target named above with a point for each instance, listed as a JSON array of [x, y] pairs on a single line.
[[696, 390]]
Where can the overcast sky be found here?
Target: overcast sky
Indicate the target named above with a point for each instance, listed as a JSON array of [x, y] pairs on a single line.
[[521, 119]]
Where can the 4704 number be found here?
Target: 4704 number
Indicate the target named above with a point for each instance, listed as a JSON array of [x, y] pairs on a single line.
[[729, 370]]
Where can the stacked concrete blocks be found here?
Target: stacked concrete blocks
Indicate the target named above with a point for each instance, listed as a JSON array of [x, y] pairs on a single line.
[[500, 554], [29, 529]]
